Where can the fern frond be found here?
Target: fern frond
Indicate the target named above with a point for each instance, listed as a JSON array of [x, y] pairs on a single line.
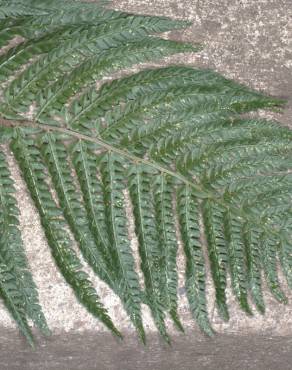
[[253, 261], [172, 139], [18, 9], [33, 170], [112, 172], [14, 301], [12, 255], [285, 256], [132, 53], [10, 28], [163, 202], [269, 250], [188, 210], [213, 223], [82, 42], [147, 233], [85, 164], [236, 256]]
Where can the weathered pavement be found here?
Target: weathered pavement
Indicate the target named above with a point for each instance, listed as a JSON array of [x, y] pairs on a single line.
[[90, 351]]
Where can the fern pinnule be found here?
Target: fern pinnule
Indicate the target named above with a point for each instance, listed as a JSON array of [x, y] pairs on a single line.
[[189, 218], [213, 224], [285, 255], [236, 259], [85, 165], [250, 238], [269, 251], [147, 232], [163, 187], [113, 185]]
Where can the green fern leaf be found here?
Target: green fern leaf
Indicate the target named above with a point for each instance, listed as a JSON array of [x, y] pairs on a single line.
[[163, 191], [235, 248], [188, 209], [253, 262], [112, 172], [28, 156], [213, 222], [269, 249], [13, 261], [169, 146], [147, 233], [13, 300]]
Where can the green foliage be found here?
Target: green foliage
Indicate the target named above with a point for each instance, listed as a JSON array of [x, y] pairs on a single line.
[[16, 285], [168, 145]]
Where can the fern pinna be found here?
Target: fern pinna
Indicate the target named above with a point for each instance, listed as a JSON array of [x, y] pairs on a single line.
[[173, 140]]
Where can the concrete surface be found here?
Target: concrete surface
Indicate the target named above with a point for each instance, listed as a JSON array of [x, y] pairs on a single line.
[[251, 42], [93, 351]]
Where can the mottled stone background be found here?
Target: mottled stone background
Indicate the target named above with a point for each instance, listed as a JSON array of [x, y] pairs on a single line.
[[249, 41]]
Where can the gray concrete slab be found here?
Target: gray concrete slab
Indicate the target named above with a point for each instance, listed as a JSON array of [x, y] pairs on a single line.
[[251, 42], [93, 351]]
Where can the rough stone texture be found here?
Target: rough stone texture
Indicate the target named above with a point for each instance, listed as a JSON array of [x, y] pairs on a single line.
[[249, 41]]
